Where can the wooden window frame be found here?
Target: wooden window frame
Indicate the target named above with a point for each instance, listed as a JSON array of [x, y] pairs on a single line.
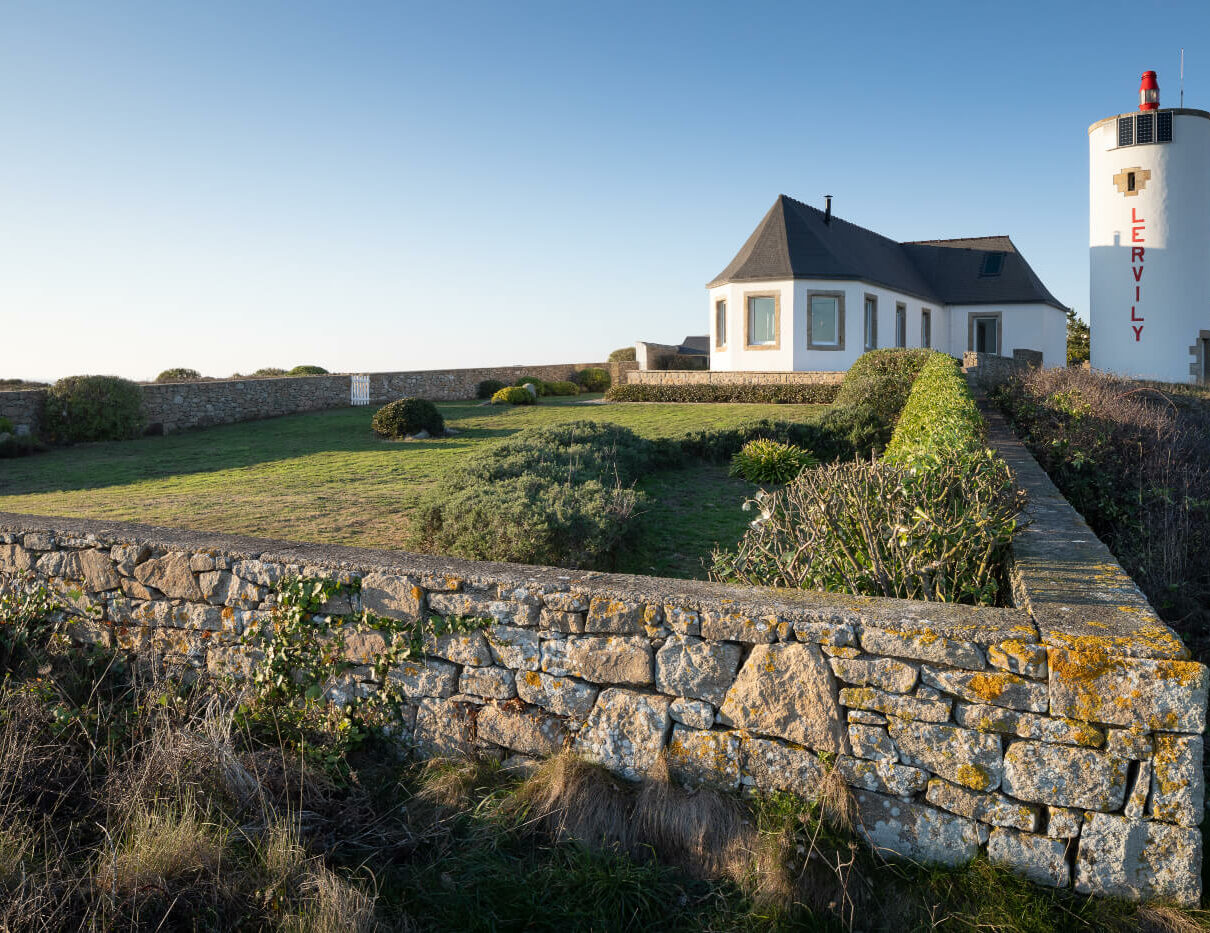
[[973, 316], [776, 344], [720, 344], [869, 340], [840, 315]]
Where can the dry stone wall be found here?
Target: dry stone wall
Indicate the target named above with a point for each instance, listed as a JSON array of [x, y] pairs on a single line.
[[172, 407], [1074, 759]]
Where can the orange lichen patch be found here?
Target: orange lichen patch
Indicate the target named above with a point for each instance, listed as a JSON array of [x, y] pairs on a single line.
[[974, 776], [417, 593], [989, 687], [532, 678]]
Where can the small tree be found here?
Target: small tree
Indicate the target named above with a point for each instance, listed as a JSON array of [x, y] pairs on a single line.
[[1077, 339]]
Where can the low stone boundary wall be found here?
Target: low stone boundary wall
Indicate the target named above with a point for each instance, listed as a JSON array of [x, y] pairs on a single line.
[[988, 369], [178, 406], [693, 377], [1065, 744]]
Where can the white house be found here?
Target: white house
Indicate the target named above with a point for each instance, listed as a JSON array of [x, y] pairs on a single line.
[[812, 292]]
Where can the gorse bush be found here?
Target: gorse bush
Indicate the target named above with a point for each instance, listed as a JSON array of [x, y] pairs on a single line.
[[269, 371], [766, 461], [623, 355], [513, 395], [592, 379], [933, 520], [179, 374], [489, 387], [559, 495], [307, 371], [406, 416], [93, 408], [767, 393]]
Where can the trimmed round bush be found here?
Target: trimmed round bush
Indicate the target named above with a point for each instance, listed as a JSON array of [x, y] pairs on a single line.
[[623, 355], [489, 387], [179, 374], [513, 395], [269, 371], [562, 388], [307, 371], [593, 379], [767, 461], [882, 380], [406, 416], [93, 408]]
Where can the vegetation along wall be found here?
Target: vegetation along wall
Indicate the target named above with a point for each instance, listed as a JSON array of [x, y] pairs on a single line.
[[691, 377], [1062, 738], [178, 406]]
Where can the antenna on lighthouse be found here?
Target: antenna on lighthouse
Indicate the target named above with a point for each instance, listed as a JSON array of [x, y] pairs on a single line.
[[1182, 78]]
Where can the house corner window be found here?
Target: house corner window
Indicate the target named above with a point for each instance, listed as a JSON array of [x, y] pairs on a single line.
[[720, 323], [985, 334], [926, 328], [871, 322], [825, 320], [901, 325], [762, 320]]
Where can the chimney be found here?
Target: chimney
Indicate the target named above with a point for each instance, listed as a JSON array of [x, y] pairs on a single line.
[[827, 211]]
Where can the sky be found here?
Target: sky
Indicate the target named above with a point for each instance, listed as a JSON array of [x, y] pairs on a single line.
[[233, 184]]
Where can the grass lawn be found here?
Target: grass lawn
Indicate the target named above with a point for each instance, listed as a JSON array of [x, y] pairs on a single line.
[[326, 477]]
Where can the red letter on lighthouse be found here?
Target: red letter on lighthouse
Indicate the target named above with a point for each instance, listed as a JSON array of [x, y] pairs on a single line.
[[1134, 216], [1136, 254]]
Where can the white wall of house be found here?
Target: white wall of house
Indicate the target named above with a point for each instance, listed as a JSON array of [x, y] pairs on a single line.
[[1023, 326]]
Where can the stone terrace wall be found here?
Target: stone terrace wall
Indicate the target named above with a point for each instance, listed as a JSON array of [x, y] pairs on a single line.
[[1071, 755], [693, 377], [172, 407]]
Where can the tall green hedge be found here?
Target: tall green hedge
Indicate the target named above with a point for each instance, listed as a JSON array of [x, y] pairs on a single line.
[[939, 418]]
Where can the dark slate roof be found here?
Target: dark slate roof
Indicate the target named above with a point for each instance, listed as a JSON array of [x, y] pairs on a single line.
[[692, 345], [793, 242]]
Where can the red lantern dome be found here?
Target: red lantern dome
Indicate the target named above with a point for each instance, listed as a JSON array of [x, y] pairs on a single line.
[[1149, 92]]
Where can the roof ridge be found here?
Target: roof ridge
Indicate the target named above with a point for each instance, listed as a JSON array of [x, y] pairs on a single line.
[[959, 239], [811, 207]]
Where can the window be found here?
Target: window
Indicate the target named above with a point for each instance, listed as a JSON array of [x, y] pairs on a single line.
[[1130, 181], [720, 323], [901, 325], [763, 327], [993, 264], [825, 320], [984, 333], [871, 322], [926, 328]]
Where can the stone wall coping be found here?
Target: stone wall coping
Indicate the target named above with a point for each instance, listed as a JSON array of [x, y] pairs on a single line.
[[1063, 574], [982, 625]]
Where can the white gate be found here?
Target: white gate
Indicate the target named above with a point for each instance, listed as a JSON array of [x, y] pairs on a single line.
[[361, 390]]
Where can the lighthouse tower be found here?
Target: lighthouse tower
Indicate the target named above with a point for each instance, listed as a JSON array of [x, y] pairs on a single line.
[[1149, 239]]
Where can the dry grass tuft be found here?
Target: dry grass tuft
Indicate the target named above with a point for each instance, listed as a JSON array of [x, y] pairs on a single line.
[[837, 805], [160, 845], [450, 782], [1160, 919], [574, 800], [332, 905]]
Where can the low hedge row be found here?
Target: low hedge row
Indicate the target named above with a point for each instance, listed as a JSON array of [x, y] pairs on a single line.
[[767, 393]]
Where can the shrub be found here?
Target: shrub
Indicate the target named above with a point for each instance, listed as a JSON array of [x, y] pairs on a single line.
[[269, 371], [777, 393], [557, 496], [877, 529], [513, 395], [940, 417], [829, 438], [539, 384], [489, 387], [1132, 460], [765, 461], [406, 416], [179, 374], [592, 379], [6, 426], [623, 355], [882, 380], [93, 408], [561, 388], [307, 371]]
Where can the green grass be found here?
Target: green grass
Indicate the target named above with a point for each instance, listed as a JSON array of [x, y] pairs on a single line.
[[325, 476]]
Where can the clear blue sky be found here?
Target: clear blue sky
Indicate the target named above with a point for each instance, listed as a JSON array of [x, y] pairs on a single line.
[[372, 186]]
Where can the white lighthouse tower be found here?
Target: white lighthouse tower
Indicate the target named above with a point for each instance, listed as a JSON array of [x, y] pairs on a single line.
[[1149, 238]]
